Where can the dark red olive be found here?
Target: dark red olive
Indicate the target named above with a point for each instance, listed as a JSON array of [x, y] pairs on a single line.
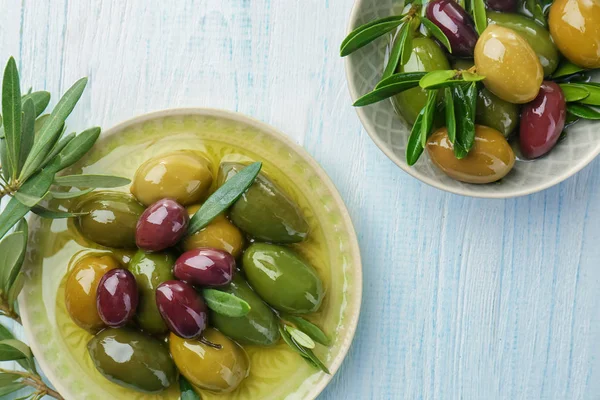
[[182, 308], [542, 121], [458, 26], [205, 267], [161, 226], [502, 5], [117, 297]]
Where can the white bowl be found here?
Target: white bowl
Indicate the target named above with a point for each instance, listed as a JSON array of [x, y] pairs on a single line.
[[390, 133]]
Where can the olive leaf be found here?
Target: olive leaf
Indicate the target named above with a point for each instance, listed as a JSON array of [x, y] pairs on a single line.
[[566, 68], [307, 327], [366, 33], [414, 147], [75, 149], [40, 100], [225, 303], [6, 167], [8, 378], [28, 132], [25, 363], [439, 79], [50, 214], [450, 115], [385, 92], [27, 199], [593, 89], [11, 112], [437, 33], [91, 181], [400, 77], [427, 123], [186, 389], [534, 7], [300, 337], [224, 197], [479, 15], [582, 111], [13, 349], [396, 55], [464, 104], [58, 147], [11, 388], [12, 253], [70, 195], [573, 92], [471, 76], [304, 352]]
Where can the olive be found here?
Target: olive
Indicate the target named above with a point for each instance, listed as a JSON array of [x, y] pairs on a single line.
[[109, 219], [117, 297], [182, 308], [265, 212], [502, 5], [219, 234], [426, 56], [282, 279], [133, 360], [81, 288], [490, 159], [183, 176], [575, 28], [542, 121], [512, 69], [496, 113], [538, 38], [162, 225], [150, 270], [205, 267], [218, 370], [258, 327], [456, 24]]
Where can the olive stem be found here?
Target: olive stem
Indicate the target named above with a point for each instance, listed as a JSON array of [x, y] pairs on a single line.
[[35, 382], [210, 344]]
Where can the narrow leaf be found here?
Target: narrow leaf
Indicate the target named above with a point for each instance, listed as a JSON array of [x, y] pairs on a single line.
[[472, 77], [186, 389], [8, 378], [437, 79], [91, 181], [12, 253], [50, 214], [437, 33], [40, 101], [300, 337], [309, 328], [396, 53], [407, 47], [535, 9], [592, 88], [70, 195], [450, 115], [573, 93], [304, 352], [27, 199], [584, 112], [75, 149], [39, 123], [11, 388], [13, 349], [224, 197], [479, 15], [414, 147], [225, 303], [566, 68], [365, 34], [6, 167], [58, 147], [465, 132], [427, 123], [28, 134], [11, 112], [385, 92], [400, 77], [6, 334]]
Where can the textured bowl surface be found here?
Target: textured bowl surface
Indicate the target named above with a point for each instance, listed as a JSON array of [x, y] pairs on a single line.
[[332, 248], [390, 132]]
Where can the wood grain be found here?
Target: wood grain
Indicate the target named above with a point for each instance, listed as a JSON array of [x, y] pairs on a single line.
[[463, 298]]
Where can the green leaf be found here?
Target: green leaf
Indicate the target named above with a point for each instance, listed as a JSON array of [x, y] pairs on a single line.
[[11, 388], [479, 15], [300, 337], [438, 79], [50, 214], [534, 7], [225, 303], [427, 123], [464, 109], [14, 291], [365, 34], [593, 89], [574, 93], [39, 123], [401, 77], [6, 167], [91, 181], [40, 101], [13, 349], [58, 147], [414, 147], [28, 133], [27, 199], [70, 195], [584, 112], [75, 149], [11, 112], [450, 115], [385, 92], [304, 352], [566, 68], [437, 33], [472, 77], [397, 51], [12, 253], [309, 328], [7, 378], [407, 46], [6, 334], [187, 391], [224, 197], [51, 129]]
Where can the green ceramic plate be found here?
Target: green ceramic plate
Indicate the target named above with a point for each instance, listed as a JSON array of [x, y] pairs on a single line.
[[277, 372]]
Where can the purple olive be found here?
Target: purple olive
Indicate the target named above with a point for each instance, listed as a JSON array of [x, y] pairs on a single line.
[[542, 121], [161, 226], [182, 308], [502, 5], [117, 297], [456, 24], [205, 267]]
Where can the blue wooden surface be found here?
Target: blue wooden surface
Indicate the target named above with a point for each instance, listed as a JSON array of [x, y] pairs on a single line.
[[463, 298]]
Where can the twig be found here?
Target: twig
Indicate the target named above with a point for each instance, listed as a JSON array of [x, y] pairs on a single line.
[[35, 382]]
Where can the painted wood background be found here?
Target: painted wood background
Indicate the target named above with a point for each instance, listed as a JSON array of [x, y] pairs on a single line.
[[463, 298]]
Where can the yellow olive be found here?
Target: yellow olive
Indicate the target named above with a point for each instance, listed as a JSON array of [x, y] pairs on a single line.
[[183, 176], [575, 28], [217, 370], [80, 290], [512, 69], [490, 159], [219, 234]]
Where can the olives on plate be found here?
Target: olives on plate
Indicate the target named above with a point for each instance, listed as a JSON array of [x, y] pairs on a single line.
[[205, 267], [265, 212], [110, 218], [161, 225], [182, 308], [117, 297], [456, 24], [282, 278], [219, 234], [496, 113], [491, 158], [133, 360], [511, 68], [542, 121], [183, 176], [218, 370], [81, 289]]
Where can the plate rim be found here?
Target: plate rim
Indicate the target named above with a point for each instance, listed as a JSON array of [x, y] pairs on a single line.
[[355, 301]]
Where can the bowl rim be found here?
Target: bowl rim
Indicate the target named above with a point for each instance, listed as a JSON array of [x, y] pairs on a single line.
[[355, 298], [370, 128]]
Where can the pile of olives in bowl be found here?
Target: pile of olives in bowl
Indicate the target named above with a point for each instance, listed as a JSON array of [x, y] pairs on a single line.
[[486, 83], [194, 267]]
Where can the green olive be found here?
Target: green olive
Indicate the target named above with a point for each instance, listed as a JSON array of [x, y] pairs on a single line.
[[538, 38], [150, 270], [490, 159], [110, 218], [496, 113], [218, 370], [219, 234], [426, 56], [258, 327], [282, 279], [133, 360], [265, 212], [183, 176]]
